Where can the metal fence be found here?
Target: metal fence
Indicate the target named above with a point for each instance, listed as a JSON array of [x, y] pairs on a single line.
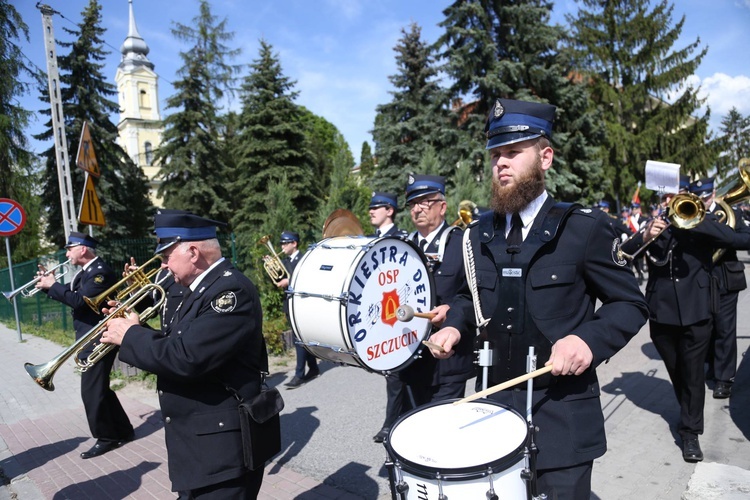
[[38, 309]]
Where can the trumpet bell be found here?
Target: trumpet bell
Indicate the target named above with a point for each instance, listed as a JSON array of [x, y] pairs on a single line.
[[686, 211], [342, 222]]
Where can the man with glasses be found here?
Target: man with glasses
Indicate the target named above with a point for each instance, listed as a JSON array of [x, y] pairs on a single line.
[[428, 379], [290, 247]]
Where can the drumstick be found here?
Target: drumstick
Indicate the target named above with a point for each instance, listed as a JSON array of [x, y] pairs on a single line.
[[433, 345], [505, 385], [407, 313]]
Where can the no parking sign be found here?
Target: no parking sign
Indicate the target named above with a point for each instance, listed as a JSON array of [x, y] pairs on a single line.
[[12, 217]]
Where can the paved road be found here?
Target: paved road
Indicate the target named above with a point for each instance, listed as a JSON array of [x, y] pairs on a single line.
[[328, 425]]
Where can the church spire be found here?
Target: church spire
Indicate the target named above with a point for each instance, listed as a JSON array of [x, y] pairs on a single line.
[[134, 49]]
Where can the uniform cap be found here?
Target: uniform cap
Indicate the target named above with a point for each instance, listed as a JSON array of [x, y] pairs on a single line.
[[289, 236], [383, 200], [702, 187], [422, 185], [515, 121], [75, 238], [172, 226]]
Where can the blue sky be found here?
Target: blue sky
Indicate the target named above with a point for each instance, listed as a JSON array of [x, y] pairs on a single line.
[[340, 52]]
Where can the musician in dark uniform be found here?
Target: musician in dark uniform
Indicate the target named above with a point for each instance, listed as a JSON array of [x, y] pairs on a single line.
[[215, 342], [429, 379], [619, 227], [108, 422], [681, 295], [539, 268], [383, 208], [729, 275], [290, 247]]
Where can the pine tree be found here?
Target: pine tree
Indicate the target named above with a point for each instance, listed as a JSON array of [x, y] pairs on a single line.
[[416, 117], [735, 142], [195, 163], [509, 50], [270, 144], [122, 188], [320, 136], [624, 51], [17, 172], [366, 163]]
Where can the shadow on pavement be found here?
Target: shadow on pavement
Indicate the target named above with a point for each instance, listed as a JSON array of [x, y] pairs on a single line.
[[28, 460], [649, 349], [353, 478], [118, 484], [151, 422], [647, 392], [297, 429]]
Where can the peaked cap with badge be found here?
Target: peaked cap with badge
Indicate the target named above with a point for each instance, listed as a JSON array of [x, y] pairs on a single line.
[[382, 199], [75, 238], [702, 187], [513, 121], [422, 185], [173, 226], [288, 237]]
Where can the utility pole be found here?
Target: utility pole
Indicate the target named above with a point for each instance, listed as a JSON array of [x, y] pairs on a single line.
[[58, 124]]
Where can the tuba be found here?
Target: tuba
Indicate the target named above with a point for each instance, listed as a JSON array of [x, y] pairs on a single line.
[[272, 263], [737, 192], [42, 374]]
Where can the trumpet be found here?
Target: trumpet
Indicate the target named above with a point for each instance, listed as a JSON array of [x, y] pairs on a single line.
[[272, 263], [684, 211], [24, 290], [42, 374], [138, 278]]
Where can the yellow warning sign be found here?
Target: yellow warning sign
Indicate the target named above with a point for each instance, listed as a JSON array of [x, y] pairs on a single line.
[[86, 158], [90, 211]]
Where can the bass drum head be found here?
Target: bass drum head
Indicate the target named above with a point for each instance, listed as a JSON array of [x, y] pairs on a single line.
[[390, 273], [481, 435]]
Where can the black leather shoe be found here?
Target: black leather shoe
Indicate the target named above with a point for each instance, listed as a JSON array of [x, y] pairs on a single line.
[[691, 449], [101, 447], [312, 374], [382, 435], [722, 390], [294, 383]]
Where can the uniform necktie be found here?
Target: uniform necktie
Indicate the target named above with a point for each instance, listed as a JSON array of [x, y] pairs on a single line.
[[423, 244], [515, 236], [377, 233]]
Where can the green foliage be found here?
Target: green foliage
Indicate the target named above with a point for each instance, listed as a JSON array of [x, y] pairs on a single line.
[[416, 118], [734, 142], [366, 163], [122, 188], [195, 163], [623, 50]]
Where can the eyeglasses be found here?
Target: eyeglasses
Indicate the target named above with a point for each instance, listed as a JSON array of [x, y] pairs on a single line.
[[423, 204]]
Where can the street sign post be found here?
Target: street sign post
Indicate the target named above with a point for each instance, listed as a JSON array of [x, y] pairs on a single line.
[[12, 220]]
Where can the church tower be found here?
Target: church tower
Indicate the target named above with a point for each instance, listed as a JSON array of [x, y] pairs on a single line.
[[140, 128]]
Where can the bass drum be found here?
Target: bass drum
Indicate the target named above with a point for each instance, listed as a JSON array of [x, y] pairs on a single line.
[[345, 292]]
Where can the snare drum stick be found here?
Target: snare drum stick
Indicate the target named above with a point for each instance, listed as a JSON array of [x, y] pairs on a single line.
[[433, 345], [505, 385]]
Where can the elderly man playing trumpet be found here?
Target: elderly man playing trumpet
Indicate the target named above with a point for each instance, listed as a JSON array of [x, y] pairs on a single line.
[[107, 419]]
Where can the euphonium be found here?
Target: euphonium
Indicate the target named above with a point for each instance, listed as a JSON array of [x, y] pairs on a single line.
[[272, 263], [28, 293], [737, 192], [465, 213], [42, 374], [133, 281]]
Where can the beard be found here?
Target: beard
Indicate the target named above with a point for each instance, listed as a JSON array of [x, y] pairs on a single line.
[[511, 199]]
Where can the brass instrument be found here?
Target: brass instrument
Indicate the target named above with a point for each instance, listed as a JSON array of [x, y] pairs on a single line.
[[42, 374], [31, 284], [684, 211], [133, 281], [342, 222], [737, 192], [465, 213], [272, 263]]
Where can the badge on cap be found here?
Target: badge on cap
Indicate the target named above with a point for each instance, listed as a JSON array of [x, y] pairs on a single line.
[[410, 180], [499, 109], [226, 302]]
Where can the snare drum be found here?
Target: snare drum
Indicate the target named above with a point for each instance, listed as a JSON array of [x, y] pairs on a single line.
[[471, 450], [344, 295]]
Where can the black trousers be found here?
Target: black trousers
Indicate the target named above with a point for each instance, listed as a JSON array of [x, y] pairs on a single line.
[[683, 350], [723, 352], [244, 487], [395, 391], [107, 419], [568, 483]]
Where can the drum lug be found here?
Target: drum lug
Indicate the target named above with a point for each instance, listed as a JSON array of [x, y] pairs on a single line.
[[491, 495]]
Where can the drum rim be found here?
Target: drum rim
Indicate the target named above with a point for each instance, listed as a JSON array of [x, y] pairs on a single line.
[[462, 473]]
